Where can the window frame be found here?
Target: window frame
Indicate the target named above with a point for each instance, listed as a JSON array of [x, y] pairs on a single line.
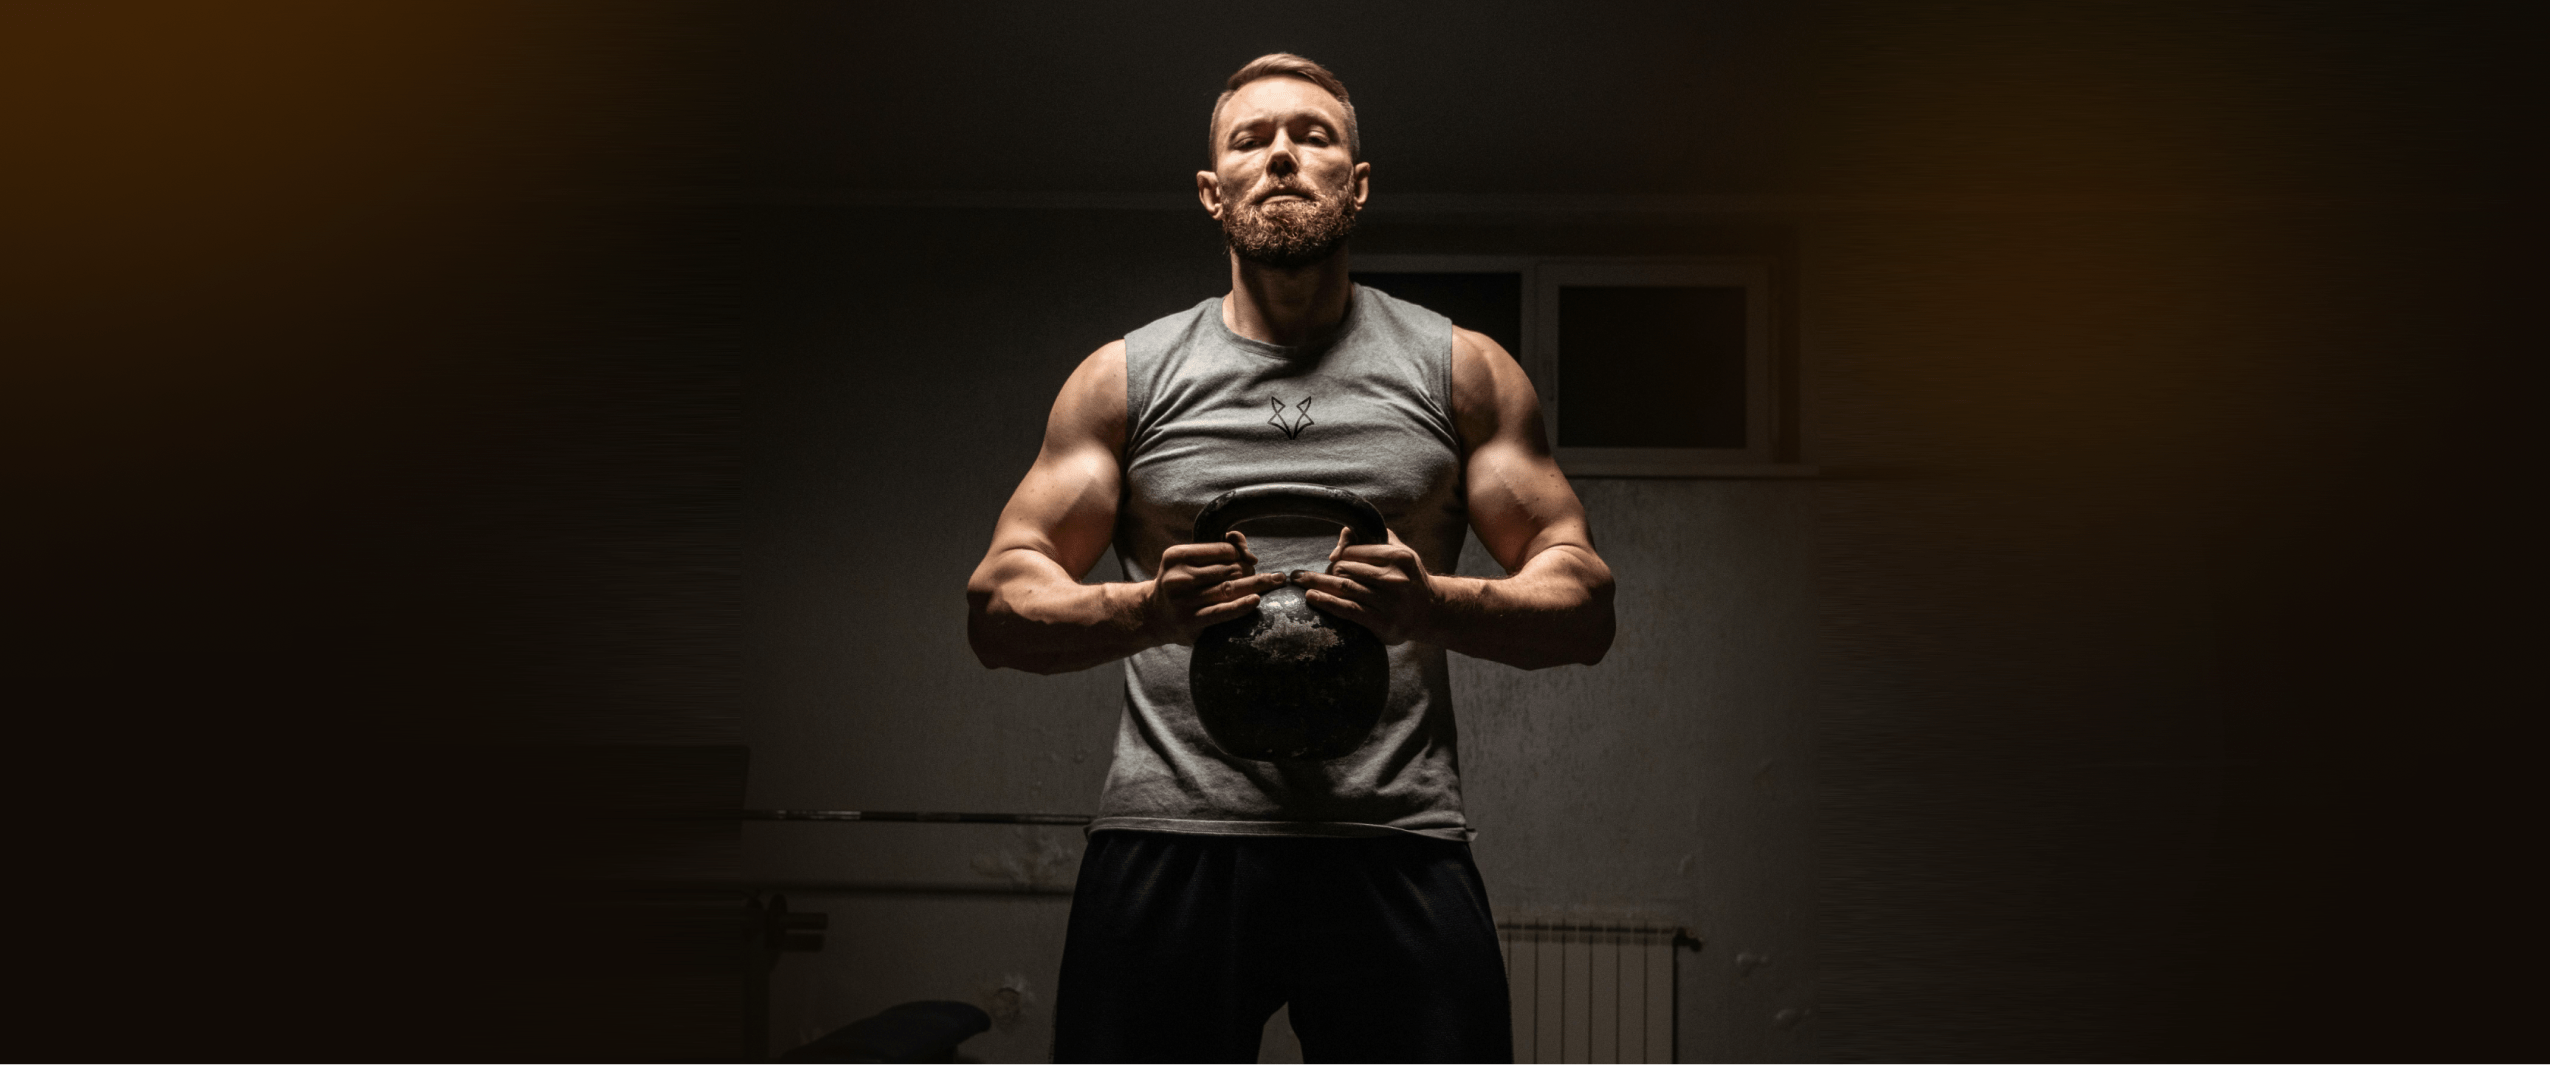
[[1544, 276]]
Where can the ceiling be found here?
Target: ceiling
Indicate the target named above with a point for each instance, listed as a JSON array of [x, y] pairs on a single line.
[[1732, 97]]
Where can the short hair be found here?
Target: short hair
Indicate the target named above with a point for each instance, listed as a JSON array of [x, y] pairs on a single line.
[[1284, 65]]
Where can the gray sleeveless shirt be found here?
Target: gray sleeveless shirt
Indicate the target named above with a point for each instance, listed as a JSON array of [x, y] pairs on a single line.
[[1369, 409]]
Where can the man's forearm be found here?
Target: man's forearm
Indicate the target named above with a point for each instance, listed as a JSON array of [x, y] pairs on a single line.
[[1555, 611], [1048, 623]]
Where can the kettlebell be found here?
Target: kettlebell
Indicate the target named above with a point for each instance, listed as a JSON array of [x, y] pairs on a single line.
[[1289, 683]]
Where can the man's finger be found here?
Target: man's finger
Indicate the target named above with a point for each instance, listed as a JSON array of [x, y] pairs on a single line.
[[1328, 583], [1364, 572], [1238, 539], [1221, 548], [1378, 554], [1204, 576], [1200, 554], [1220, 612], [1344, 608], [1250, 585]]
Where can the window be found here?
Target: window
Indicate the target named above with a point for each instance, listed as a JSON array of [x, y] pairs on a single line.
[[1646, 368]]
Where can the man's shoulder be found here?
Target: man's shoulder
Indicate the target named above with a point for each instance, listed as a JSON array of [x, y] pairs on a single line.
[[1379, 306], [1161, 332]]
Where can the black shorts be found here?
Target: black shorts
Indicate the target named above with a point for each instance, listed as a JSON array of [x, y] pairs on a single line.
[[1182, 946]]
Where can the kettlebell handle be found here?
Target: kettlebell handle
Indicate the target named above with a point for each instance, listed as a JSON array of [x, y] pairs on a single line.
[[1362, 520]]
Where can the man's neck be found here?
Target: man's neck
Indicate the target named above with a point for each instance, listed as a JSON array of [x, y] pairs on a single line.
[[1286, 307]]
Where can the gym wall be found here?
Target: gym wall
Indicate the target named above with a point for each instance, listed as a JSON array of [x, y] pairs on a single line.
[[2155, 361], [1672, 783]]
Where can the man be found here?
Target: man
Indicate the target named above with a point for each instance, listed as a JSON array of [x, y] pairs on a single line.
[[1215, 889]]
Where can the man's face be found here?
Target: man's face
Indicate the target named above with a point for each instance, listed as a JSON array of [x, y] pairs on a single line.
[[1282, 183]]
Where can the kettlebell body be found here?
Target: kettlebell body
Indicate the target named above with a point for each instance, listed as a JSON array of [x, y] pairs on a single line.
[[1289, 683]]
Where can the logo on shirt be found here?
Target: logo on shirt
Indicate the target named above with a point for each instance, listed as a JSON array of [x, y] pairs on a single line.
[[1291, 423]]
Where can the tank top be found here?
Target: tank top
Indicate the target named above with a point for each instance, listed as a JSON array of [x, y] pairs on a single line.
[[1367, 409]]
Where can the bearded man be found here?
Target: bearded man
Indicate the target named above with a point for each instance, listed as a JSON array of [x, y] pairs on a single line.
[[1216, 889]]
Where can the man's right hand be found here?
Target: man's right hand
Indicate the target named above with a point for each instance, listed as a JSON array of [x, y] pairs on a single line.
[[1202, 585], [1025, 607]]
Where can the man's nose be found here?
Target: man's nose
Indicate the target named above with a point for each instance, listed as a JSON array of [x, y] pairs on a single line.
[[1279, 154]]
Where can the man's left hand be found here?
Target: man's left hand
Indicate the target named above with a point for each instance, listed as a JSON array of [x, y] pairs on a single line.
[[1382, 587]]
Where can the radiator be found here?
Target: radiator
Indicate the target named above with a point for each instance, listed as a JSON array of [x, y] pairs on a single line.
[[1592, 992]]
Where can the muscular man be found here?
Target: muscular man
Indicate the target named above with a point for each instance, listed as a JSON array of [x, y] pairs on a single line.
[[1216, 889]]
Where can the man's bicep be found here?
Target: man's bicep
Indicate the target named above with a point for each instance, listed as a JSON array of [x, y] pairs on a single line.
[[1520, 501], [1521, 504], [1065, 508]]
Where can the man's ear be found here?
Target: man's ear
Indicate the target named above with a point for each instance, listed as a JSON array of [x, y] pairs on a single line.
[[1362, 184], [1208, 188]]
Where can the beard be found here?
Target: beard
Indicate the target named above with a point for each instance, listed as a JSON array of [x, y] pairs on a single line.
[[1290, 234]]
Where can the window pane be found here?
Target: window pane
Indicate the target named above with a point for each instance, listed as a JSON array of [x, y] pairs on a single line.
[[1485, 303], [1650, 367]]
